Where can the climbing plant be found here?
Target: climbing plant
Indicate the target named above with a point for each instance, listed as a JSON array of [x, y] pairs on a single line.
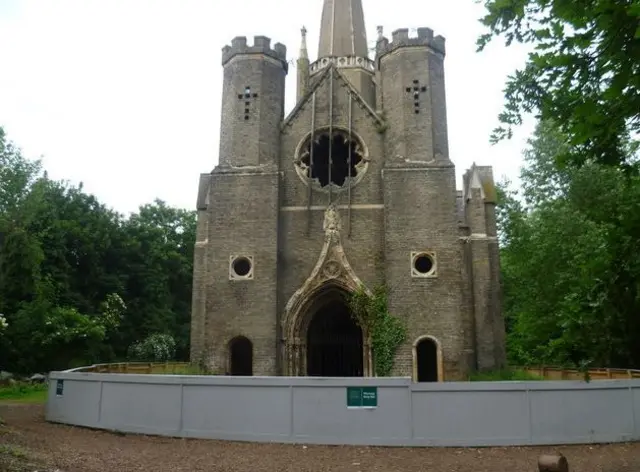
[[387, 331]]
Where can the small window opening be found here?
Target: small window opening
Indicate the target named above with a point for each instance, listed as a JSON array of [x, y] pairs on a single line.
[[423, 264], [241, 266]]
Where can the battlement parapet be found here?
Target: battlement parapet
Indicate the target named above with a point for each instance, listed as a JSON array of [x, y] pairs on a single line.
[[261, 45], [400, 38]]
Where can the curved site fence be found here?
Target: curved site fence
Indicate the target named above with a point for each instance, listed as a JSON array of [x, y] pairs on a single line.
[[356, 411]]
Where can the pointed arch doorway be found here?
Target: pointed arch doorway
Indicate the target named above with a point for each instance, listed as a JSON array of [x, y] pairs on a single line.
[[334, 342], [325, 340]]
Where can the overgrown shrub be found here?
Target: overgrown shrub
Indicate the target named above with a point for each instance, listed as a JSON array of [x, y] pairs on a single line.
[[155, 348]]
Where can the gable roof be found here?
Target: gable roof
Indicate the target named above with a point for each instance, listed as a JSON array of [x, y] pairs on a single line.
[[480, 177], [319, 80]]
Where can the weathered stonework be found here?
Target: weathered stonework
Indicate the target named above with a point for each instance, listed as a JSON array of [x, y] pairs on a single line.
[[305, 243]]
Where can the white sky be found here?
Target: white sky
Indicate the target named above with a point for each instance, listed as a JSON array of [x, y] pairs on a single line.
[[124, 95]]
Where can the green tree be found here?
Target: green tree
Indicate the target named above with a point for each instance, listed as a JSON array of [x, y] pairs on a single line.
[[160, 268], [17, 174], [570, 265], [584, 72], [79, 283]]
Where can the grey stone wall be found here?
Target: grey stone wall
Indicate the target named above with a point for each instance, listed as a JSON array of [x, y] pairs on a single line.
[[420, 216], [295, 190], [243, 222]]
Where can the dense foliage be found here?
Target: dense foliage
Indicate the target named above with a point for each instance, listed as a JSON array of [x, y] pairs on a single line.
[[571, 260], [80, 283], [583, 72]]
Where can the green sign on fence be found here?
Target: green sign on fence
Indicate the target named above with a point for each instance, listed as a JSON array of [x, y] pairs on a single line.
[[59, 387], [362, 397]]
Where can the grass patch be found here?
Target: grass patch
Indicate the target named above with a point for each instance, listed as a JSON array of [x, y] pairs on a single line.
[[24, 393], [17, 459], [12, 451], [503, 375]]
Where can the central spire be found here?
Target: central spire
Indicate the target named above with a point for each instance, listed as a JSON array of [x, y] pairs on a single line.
[[342, 31]]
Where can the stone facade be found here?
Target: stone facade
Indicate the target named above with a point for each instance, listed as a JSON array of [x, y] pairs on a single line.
[[279, 229]]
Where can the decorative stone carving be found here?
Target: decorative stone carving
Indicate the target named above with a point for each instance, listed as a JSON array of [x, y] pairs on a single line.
[[351, 62], [331, 269], [331, 220]]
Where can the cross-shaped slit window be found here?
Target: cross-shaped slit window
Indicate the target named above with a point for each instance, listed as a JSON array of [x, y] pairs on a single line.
[[247, 97], [415, 92]]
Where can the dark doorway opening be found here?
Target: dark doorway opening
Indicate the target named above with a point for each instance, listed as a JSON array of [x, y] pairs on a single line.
[[241, 353], [427, 358], [334, 343]]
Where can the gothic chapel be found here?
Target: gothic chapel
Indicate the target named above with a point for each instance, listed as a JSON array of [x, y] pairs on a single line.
[[354, 186]]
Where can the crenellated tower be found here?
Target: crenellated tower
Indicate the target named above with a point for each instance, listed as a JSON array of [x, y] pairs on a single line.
[[238, 203], [422, 246], [252, 102], [413, 97]]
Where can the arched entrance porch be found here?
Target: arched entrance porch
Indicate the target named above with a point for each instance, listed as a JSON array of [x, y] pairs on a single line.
[[324, 339]]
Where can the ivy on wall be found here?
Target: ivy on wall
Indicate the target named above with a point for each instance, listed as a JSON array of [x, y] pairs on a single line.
[[387, 332]]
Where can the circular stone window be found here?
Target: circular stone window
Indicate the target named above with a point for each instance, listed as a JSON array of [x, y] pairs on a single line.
[[422, 264], [335, 160], [241, 267]]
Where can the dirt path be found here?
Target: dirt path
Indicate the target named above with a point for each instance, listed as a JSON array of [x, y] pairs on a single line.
[[80, 450]]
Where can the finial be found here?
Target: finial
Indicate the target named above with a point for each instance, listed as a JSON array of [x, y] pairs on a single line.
[[303, 45], [379, 28]]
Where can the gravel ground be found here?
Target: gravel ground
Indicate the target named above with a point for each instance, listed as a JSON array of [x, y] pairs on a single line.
[[31, 444]]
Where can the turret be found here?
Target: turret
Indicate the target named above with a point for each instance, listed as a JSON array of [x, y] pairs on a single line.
[[303, 67], [411, 71], [252, 102]]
